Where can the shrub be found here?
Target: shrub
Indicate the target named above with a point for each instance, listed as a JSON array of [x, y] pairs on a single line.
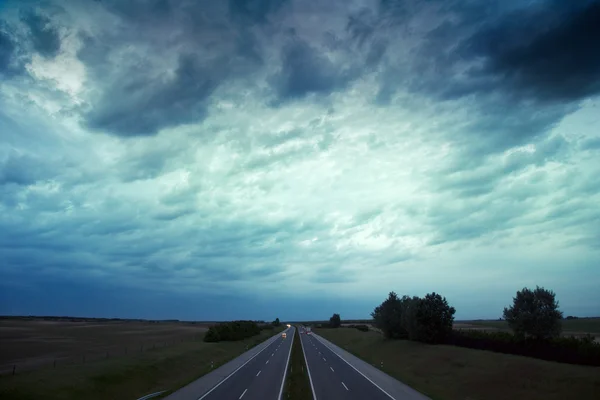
[[212, 335], [231, 331], [571, 350]]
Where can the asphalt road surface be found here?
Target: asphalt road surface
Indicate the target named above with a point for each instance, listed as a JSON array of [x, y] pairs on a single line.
[[333, 377], [261, 377]]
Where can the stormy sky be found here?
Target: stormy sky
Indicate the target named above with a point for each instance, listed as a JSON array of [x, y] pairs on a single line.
[[292, 159]]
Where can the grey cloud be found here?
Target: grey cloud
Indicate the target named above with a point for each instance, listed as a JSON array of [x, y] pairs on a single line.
[[143, 105], [22, 169], [255, 11], [548, 55], [7, 49], [590, 144], [133, 93], [12, 56], [44, 37], [305, 70]]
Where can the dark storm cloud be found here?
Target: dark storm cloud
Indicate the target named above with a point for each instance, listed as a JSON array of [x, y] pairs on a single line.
[[7, 49], [547, 54], [22, 169], [143, 104], [305, 70], [44, 37], [12, 56], [137, 95], [256, 11]]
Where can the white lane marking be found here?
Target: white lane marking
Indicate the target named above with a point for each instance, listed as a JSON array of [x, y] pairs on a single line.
[[247, 390], [238, 368], [287, 364], [258, 373], [267, 362], [272, 354], [308, 370], [353, 367], [324, 359], [342, 384], [331, 369]]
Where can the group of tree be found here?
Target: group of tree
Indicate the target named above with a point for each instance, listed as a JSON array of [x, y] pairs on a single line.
[[276, 322], [428, 319], [231, 331], [534, 318]]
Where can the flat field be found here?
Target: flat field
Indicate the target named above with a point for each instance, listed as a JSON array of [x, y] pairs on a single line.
[[173, 355], [33, 344]]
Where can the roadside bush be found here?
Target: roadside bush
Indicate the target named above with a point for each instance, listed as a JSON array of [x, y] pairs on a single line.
[[571, 350], [231, 331], [362, 327], [268, 327]]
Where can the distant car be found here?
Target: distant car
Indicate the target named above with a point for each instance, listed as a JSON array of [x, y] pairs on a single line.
[[283, 335]]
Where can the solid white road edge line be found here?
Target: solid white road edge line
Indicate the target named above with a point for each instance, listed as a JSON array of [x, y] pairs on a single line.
[[237, 369], [353, 367], [308, 370], [287, 364]]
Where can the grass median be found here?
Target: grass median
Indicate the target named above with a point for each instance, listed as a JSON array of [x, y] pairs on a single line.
[[167, 368], [454, 373], [297, 384]]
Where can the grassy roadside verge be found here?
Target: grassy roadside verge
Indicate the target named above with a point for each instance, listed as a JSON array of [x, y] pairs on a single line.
[[297, 385], [127, 378], [454, 373]]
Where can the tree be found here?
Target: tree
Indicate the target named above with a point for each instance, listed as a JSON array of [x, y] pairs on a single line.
[[391, 318], [534, 313], [276, 322], [433, 318], [335, 321]]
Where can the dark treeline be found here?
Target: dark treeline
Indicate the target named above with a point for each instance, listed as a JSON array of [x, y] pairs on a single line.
[[237, 330]]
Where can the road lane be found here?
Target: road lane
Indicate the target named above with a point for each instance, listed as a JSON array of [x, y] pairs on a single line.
[[333, 378], [261, 378], [256, 374]]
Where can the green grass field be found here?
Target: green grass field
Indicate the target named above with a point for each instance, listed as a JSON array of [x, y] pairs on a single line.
[[167, 368], [455, 373], [297, 385]]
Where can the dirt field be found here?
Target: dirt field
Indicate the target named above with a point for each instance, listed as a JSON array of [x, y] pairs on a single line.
[[34, 344]]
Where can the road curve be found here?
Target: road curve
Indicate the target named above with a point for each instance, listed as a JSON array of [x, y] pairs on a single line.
[[257, 374]]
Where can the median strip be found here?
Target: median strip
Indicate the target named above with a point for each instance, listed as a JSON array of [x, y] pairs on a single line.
[[298, 385]]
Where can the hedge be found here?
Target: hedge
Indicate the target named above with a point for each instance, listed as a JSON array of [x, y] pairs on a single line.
[[570, 350]]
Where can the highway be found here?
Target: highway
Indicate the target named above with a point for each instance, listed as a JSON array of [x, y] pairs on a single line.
[[333, 377], [259, 377], [259, 374]]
